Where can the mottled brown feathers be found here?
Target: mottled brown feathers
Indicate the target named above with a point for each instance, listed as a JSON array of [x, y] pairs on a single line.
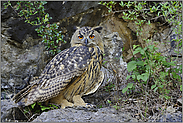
[[74, 71]]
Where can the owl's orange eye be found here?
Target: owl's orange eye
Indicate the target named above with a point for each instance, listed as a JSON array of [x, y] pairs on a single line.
[[91, 36], [80, 37]]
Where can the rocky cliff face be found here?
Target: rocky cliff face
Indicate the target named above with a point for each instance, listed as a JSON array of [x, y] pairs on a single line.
[[23, 54]]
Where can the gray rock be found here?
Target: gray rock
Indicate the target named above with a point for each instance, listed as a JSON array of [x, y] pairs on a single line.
[[10, 112], [170, 109], [74, 115], [17, 64], [60, 10], [179, 100], [168, 117]]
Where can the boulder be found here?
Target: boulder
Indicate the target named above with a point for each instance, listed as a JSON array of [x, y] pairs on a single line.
[[74, 115], [10, 112]]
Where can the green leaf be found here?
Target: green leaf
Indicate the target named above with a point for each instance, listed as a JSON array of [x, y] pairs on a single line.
[[33, 105], [44, 108], [175, 75], [130, 85], [134, 46], [145, 48], [153, 86], [108, 101], [166, 97], [135, 52], [131, 66], [55, 106], [141, 63], [181, 87], [128, 77], [155, 89], [143, 76], [124, 90], [141, 51], [133, 76], [46, 18], [151, 47], [149, 22], [26, 111], [172, 63], [105, 62], [167, 91], [148, 67], [139, 77]]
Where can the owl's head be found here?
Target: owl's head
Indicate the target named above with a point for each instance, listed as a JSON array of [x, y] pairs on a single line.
[[88, 36]]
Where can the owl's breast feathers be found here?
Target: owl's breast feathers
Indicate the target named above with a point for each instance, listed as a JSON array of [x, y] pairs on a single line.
[[63, 71]]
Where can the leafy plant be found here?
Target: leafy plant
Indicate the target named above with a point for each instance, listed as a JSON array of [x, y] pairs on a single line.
[[38, 108], [152, 64], [109, 87], [116, 106], [108, 4], [51, 37], [33, 12], [129, 86], [151, 70], [109, 101]]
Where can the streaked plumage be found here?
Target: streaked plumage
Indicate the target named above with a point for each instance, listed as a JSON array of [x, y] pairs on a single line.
[[71, 74]]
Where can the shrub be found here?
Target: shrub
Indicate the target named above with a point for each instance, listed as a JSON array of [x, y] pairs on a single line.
[[33, 12], [152, 68]]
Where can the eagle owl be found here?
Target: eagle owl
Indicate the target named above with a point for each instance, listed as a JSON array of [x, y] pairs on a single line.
[[72, 73]]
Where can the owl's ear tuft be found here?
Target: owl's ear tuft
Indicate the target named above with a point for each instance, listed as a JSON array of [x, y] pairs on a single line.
[[98, 28], [76, 28]]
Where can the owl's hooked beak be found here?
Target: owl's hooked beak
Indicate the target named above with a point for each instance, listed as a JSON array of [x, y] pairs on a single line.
[[86, 41]]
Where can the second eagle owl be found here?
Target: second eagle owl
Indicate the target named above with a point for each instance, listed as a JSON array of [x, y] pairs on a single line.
[[71, 74]]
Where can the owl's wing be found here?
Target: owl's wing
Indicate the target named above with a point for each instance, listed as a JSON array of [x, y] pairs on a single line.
[[64, 66]]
